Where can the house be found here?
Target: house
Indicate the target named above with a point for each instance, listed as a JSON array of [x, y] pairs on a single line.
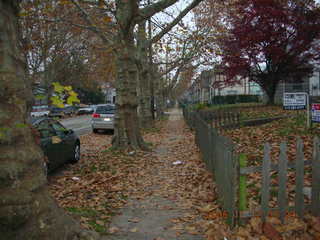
[[109, 92], [220, 87], [194, 92], [310, 85], [211, 83], [205, 80]]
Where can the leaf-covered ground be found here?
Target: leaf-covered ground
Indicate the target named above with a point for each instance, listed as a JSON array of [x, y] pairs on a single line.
[[250, 140], [105, 183]]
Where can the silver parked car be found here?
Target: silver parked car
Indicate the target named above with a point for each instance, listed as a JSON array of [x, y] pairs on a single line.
[[103, 117]]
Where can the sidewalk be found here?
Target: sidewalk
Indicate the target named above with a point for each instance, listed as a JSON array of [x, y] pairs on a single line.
[[166, 213]]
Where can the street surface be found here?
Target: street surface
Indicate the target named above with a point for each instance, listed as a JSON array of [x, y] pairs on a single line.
[[80, 124]]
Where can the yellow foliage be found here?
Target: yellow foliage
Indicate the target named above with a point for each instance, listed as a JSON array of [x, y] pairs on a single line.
[[68, 88], [63, 92], [72, 99], [73, 93], [58, 88], [56, 101]]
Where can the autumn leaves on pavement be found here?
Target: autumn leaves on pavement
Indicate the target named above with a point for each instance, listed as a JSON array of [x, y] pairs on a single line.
[[172, 177], [163, 194]]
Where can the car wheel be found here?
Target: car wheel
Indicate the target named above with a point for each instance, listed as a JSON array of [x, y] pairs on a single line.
[[76, 153], [95, 130]]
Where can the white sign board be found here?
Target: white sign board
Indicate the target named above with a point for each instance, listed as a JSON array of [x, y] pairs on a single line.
[[315, 112], [294, 101]]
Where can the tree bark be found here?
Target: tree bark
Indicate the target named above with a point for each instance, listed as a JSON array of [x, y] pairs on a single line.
[[127, 128], [27, 211], [145, 111], [270, 89], [159, 95]]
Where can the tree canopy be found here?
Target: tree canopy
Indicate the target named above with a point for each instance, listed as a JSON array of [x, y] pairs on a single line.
[[270, 40]]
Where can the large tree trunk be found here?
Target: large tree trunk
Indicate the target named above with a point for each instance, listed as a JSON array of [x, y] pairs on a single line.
[[27, 210], [159, 95], [270, 88], [127, 127], [145, 111]]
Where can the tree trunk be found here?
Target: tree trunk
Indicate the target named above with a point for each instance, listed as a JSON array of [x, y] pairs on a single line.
[[127, 128], [127, 132], [159, 95], [270, 90], [145, 111], [27, 210]]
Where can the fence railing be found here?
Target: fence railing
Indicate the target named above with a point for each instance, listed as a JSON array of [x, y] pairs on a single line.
[[219, 157], [230, 173], [221, 119]]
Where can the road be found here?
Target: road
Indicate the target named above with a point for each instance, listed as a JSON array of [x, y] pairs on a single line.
[[80, 124]]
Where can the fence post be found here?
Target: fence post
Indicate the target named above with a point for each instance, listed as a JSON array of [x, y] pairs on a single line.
[[242, 187], [265, 193], [282, 173], [315, 202], [236, 172], [299, 198], [211, 147], [242, 184]]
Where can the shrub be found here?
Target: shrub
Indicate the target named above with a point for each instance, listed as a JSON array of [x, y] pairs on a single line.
[[232, 99]]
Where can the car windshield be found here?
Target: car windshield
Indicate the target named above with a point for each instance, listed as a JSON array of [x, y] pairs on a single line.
[[105, 109]]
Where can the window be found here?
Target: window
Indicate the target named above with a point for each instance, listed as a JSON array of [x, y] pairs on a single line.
[[59, 129], [45, 129], [109, 109], [232, 92]]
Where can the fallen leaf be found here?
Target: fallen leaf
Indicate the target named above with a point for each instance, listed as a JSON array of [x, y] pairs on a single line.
[[256, 224], [271, 232], [134, 220], [99, 222], [133, 230], [113, 230]]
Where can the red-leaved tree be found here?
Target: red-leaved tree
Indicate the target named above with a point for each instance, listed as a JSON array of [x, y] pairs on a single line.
[[271, 41]]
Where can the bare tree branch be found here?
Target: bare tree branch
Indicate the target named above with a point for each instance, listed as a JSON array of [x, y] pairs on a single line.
[[175, 21], [154, 8]]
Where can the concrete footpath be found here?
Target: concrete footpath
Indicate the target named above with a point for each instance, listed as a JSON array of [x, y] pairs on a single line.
[[156, 217]]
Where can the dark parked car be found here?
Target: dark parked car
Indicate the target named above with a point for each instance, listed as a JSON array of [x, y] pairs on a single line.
[[59, 144], [70, 110], [56, 112]]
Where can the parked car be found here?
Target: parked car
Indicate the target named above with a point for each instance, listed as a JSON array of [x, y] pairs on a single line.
[[40, 111], [59, 144], [56, 112], [103, 117], [85, 110], [94, 107], [70, 110]]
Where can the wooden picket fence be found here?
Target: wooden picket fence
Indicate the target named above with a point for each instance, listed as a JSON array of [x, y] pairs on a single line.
[[230, 173], [218, 155], [282, 167]]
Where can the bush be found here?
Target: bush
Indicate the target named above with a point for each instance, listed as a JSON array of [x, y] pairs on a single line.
[[199, 106], [232, 99]]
